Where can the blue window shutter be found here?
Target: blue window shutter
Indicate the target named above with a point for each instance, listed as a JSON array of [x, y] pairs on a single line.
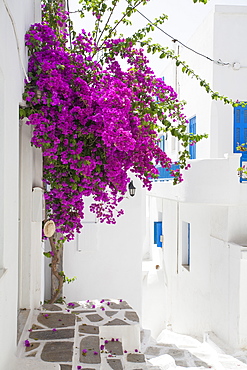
[[157, 233], [192, 130], [165, 173], [240, 133]]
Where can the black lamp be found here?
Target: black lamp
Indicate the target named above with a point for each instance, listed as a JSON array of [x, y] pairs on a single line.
[[132, 189]]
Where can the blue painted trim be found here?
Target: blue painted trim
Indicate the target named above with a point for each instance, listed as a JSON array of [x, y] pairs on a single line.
[[164, 173], [192, 130], [157, 233]]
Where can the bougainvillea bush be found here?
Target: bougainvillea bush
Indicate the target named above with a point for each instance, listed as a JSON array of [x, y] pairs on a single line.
[[95, 121]]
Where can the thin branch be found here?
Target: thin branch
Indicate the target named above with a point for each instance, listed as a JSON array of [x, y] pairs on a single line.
[[133, 7], [106, 24]]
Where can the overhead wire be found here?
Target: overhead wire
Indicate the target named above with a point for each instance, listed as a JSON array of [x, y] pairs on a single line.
[[181, 43]]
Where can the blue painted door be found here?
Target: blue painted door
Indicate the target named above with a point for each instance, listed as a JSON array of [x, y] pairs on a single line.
[[192, 130], [157, 233]]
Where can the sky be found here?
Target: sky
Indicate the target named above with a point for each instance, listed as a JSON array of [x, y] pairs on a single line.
[[184, 17]]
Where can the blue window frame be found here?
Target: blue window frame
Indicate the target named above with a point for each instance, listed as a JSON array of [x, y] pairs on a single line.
[[192, 130], [164, 174], [162, 143], [240, 127], [158, 233], [240, 133]]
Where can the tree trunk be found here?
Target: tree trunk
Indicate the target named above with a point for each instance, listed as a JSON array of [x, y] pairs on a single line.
[[56, 269]]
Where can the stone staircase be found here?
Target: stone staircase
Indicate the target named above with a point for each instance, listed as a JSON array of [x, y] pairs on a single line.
[[106, 335], [88, 335]]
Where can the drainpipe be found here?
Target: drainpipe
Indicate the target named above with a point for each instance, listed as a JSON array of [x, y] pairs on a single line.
[[178, 220]]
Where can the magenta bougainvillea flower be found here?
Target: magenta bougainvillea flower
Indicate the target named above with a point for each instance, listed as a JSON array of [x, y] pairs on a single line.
[[70, 304], [27, 343]]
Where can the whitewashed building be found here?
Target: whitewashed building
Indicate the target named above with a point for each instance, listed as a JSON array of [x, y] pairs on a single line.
[[199, 274], [20, 183]]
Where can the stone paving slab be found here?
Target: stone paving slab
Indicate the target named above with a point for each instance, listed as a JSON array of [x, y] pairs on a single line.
[[51, 307], [57, 352], [52, 334], [132, 316], [89, 329], [89, 350], [66, 367], [115, 364], [111, 313], [94, 318], [56, 320], [116, 322], [114, 347], [136, 357]]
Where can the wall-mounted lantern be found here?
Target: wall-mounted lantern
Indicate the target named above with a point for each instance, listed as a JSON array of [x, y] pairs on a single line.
[[132, 189]]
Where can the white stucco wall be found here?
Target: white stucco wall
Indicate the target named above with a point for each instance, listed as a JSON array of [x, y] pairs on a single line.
[[109, 263], [11, 88]]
